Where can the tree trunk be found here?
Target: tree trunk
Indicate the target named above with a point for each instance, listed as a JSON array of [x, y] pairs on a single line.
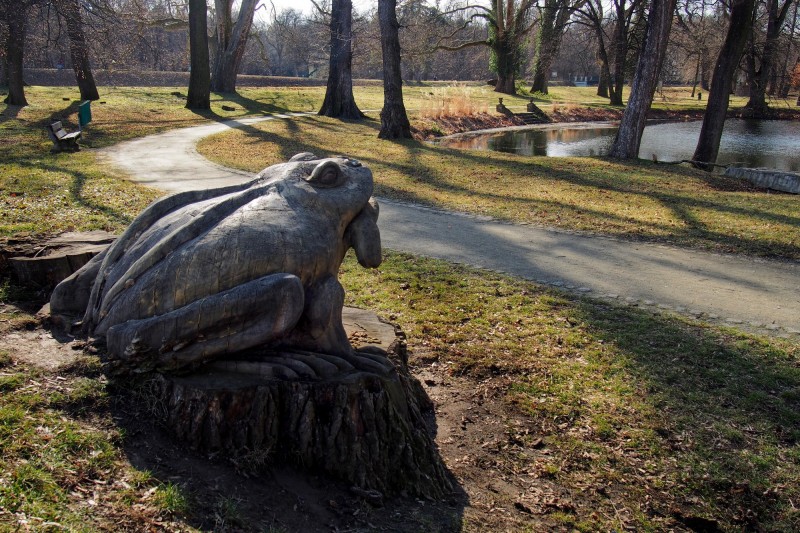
[[394, 121], [231, 43], [602, 84], [339, 101], [648, 68], [505, 60], [759, 78], [79, 50], [199, 95], [548, 40], [786, 74], [605, 69], [359, 417], [696, 76], [719, 95], [3, 65], [620, 55], [15, 51]]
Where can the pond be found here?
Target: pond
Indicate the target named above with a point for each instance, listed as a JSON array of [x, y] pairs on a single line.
[[749, 143]]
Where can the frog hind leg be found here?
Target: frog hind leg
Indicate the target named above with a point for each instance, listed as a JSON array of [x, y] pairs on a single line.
[[248, 315]]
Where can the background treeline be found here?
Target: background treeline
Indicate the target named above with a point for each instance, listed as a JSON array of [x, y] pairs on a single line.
[[599, 40]]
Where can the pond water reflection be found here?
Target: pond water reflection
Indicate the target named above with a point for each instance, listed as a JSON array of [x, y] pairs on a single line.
[[751, 143]]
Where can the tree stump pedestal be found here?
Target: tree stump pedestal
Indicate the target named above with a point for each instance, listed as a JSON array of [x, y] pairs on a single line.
[[46, 264], [359, 418]]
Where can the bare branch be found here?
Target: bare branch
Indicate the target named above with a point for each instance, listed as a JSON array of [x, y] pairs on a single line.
[[461, 46]]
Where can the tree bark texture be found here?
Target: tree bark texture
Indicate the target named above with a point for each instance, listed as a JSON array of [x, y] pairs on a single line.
[[506, 65], [56, 259], [199, 94], [620, 46], [648, 69], [555, 15], [358, 418], [3, 64], [394, 120], [508, 26], [776, 15], [231, 42], [339, 101], [15, 51], [602, 84], [719, 95], [79, 50]]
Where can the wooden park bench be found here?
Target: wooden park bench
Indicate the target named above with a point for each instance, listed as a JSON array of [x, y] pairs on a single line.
[[61, 139]]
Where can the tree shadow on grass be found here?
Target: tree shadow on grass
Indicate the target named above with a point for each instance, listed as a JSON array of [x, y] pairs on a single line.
[[689, 212], [730, 406], [76, 189], [684, 207]]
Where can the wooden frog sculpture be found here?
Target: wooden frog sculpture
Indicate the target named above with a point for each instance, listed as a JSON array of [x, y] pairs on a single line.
[[206, 273]]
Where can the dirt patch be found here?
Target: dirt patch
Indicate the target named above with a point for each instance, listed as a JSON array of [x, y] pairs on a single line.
[[36, 346], [431, 127], [482, 443]]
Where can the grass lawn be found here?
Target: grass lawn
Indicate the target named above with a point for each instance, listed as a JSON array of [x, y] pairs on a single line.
[[637, 200], [642, 414], [636, 420]]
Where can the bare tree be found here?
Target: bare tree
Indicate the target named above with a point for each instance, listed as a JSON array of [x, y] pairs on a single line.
[[698, 34], [509, 26], [629, 136], [339, 101], [14, 13], [394, 121], [760, 76], [199, 95], [555, 15], [626, 14], [231, 39], [741, 23], [79, 49]]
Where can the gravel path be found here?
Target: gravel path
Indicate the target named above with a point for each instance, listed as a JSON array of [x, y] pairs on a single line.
[[752, 294]]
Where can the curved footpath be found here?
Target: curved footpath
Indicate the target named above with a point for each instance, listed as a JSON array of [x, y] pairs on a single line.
[[753, 294]]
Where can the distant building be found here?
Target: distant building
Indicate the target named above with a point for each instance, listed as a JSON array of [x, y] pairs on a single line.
[[585, 81]]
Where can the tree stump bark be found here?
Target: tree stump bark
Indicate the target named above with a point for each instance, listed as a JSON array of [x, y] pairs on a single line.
[[56, 259], [358, 418]]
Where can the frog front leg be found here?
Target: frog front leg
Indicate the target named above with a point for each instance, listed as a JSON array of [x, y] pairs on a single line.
[[320, 328], [248, 315]]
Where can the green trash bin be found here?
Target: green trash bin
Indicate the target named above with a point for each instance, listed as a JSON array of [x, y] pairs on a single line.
[[84, 114]]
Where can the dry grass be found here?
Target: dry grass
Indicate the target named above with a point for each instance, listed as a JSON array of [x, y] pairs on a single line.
[[642, 422], [639, 421], [559, 107], [635, 200], [443, 104]]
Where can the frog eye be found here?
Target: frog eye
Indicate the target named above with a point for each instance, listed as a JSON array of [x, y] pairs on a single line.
[[326, 175]]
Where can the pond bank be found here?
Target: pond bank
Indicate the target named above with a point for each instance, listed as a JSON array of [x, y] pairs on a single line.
[[426, 128]]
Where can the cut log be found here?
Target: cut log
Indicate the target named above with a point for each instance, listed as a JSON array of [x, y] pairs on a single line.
[[359, 418], [50, 262]]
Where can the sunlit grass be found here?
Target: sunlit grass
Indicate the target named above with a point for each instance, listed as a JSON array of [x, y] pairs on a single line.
[[637, 200], [640, 414], [62, 465], [656, 413]]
